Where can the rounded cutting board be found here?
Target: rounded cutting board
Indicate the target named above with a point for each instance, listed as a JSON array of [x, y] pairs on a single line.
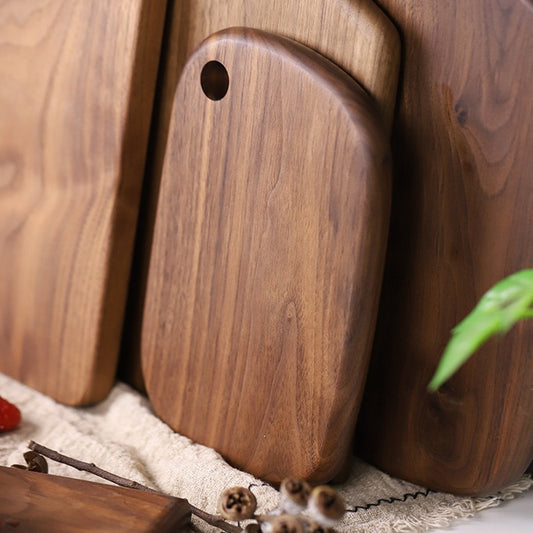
[[75, 112], [267, 255], [462, 220]]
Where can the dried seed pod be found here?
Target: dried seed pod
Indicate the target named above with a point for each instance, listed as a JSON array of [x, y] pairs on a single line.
[[36, 462], [294, 495], [326, 506], [283, 523], [237, 503]]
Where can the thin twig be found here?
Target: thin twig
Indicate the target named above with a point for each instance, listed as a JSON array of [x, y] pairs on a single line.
[[87, 467], [212, 520]]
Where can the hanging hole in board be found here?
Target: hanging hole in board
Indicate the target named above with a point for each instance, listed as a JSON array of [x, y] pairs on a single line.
[[214, 80]]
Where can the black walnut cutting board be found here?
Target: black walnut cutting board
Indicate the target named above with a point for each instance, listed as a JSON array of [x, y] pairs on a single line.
[[75, 103], [462, 219], [267, 258]]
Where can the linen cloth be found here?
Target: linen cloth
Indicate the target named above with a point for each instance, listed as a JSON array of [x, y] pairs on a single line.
[[122, 434]]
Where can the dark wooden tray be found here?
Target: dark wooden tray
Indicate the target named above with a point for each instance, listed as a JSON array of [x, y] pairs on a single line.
[[32, 502]]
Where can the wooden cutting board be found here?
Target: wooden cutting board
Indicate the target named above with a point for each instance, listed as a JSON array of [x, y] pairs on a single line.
[[31, 501], [462, 219], [267, 258], [76, 95], [356, 35]]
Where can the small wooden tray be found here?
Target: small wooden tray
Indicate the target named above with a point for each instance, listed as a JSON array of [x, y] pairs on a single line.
[[30, 502]]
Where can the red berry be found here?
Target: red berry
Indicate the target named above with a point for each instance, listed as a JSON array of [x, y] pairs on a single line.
[[9, 415]]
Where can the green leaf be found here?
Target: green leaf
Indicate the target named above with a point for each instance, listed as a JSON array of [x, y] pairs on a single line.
[[502, 306]]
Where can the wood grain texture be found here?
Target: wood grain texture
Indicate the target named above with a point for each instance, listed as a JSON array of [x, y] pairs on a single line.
[[77, 87], [462, 218], [30, 502], [267, 259], [354, 34]]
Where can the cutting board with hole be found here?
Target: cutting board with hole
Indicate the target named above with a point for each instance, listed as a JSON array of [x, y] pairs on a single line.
[[75, 103], [267, 255]]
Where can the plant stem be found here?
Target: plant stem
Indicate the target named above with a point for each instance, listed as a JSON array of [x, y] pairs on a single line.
[[87, 467], [212, 520]]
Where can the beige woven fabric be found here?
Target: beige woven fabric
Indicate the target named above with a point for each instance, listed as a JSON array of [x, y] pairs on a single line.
[[121, 434]]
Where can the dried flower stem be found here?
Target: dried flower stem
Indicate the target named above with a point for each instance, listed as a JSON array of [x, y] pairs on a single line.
[[87, 467], [212, 520]]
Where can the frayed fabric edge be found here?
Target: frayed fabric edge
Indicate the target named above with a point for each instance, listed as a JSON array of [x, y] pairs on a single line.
[[441, 517], [510, 492], [445, 514]]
